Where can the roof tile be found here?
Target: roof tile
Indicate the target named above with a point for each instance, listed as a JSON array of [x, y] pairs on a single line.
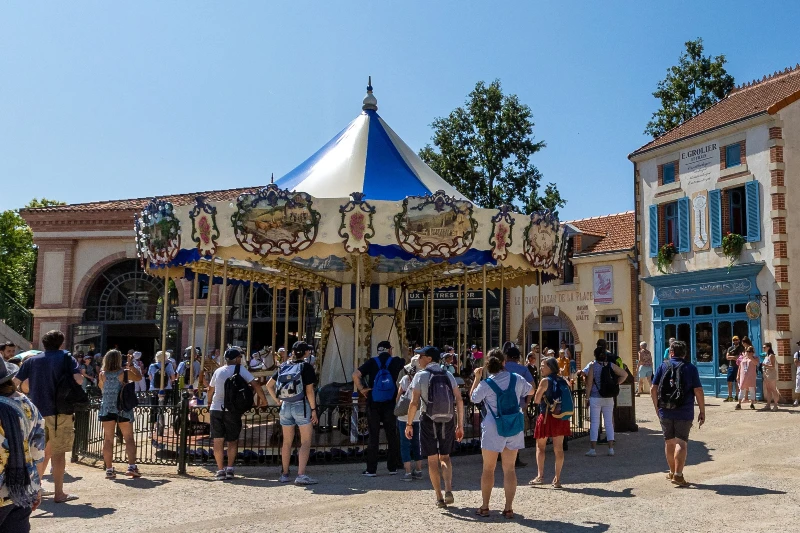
[[616, 232]]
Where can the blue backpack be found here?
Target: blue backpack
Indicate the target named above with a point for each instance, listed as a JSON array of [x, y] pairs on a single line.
[[383, 388], [559, 399], [290, 382], [509, 418]]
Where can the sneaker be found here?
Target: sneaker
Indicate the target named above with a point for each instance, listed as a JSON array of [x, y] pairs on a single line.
[[448, 498], [285, 478], [591, 453], [229, 474], [408, 476], [738, 407], [392, 472], [367, 473], [304, 480], [417, 474], [796, 403], [728, 399], [111, 474], [440, 504], [753, 406], [775, 408], [220, 475], [133, 472], [678, 479], [611, 452]]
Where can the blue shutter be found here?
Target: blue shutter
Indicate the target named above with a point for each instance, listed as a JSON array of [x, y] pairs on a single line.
[[337, 297], [715, 214], [684, 228], [653, 223], [753, 199]]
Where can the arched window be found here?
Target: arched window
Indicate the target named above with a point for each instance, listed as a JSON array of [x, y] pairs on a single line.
[[125, 293]]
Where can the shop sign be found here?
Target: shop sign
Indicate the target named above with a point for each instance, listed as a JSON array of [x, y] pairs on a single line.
[[704, 290], [603, 280], [582, 313], [625, 397], [698, 162], [449, 298]]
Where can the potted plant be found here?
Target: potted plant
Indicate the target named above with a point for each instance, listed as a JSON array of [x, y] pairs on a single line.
[[665, 256], [732, 245]]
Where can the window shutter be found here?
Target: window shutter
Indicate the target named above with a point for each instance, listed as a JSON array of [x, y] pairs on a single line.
[[684, 228], [753, 211], [653, 223], [715, 213]]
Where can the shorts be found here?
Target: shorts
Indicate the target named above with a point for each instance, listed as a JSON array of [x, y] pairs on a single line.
[[295, 413], [645, 372], [494, 442], [59, 438], [676, 429], [113, 417], [732, 370], [436, 438], [226, 425]]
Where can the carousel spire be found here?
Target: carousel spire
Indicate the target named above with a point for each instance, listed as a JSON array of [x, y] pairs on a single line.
[[370, 102]]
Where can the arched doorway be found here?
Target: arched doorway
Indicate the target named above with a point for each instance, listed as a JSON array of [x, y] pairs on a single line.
[[556, 327], [124, 307]]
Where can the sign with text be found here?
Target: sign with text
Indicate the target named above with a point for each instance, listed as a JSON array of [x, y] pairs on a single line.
[[449, 298], [603, 283], [697, 164], [700, 221]]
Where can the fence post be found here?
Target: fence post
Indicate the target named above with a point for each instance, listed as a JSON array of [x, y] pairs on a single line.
[[183, 437]]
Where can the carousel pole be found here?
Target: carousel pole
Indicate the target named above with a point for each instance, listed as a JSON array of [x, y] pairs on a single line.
[[250, 323], [484, 312], [431, 320], [524, 327], [301, 328], [286, 320], [424, 316], [275, 320], [196, 292], [457, 344], [466, 314], [224, 305], [539, 282], [205, 326], [164, 321], [357, 304], [502, 304]]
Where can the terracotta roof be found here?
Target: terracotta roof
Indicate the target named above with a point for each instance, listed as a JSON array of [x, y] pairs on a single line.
[[768, 95], [136, 204], [616, 232]]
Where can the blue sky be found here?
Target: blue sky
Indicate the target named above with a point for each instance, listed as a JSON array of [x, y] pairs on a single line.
[[110, 100]]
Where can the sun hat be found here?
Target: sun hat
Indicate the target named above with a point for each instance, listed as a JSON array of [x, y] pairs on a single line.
[[8, 371], [413, 365]]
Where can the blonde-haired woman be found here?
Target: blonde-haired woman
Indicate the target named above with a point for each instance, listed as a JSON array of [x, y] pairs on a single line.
[[112, 378]]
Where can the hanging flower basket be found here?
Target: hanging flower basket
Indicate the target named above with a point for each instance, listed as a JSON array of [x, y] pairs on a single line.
[[732, 245], [665, 256]]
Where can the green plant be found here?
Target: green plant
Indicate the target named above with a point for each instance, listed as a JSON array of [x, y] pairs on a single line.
[[732, 245], [665, 256]]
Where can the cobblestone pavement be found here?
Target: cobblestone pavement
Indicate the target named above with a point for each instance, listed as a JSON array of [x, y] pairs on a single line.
[[743, 466]]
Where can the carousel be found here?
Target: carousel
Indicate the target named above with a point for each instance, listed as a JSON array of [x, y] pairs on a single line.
[[358, 225]]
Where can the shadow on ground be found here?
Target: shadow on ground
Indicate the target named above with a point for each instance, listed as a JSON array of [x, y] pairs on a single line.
[[50, 509], [545, 526]]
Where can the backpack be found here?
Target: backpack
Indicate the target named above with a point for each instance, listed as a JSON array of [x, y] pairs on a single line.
[[439, 406], [609, 382], [238, 393], [127, 399], [670, 388], [187, 370], [156, 383], [70, 396], [509, 418], [559, 399], [290, 382], [383, 389]]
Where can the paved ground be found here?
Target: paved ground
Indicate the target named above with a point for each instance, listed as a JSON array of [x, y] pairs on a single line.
[[743, 466]]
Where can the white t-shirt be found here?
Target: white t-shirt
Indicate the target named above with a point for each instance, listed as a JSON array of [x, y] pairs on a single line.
[[218, 382], [484, 393], [423, 378], [405, 386]]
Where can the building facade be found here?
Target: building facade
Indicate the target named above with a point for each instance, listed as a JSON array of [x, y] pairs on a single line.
[[714, 184], [595, 298]]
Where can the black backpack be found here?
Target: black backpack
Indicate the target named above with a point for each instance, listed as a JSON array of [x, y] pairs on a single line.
[[670, 388], [187, 370], [156, 383], [609, 382], [70, 396], [127, 399], [238, 394]]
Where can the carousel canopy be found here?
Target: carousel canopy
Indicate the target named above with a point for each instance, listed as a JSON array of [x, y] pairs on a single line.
[[367, 157]]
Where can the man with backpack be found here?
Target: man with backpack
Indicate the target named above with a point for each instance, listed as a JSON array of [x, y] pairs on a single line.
[[231, 391], [436, 392], [45, 379], [187, 371], [676, 385], [381, 373], [155, 372]]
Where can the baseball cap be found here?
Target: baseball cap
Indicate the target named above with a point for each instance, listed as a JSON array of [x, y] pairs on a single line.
[[384, 346], [281, 349], [233, 353], [300, 347], [513, 353], [432, 352]]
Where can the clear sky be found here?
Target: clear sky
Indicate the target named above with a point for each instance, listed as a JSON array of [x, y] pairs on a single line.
[[109, 100]]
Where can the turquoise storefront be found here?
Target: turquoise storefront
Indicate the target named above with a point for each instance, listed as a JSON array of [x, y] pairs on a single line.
[[705, 309]]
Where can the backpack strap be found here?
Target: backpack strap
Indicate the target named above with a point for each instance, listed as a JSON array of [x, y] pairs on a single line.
[[125, 377], [236, 370]]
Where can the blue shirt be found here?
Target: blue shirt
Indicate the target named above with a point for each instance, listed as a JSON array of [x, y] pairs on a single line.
[[516, 368], [690, 379], [42, 372]]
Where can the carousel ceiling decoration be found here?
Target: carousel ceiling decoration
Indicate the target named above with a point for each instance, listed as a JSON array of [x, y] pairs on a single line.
[[204, 227], [437, 226], [502, 227], [542, 240], [356, 228], [158, 233]]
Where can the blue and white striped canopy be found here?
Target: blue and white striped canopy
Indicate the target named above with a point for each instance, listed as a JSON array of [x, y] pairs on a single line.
[[367, 156]]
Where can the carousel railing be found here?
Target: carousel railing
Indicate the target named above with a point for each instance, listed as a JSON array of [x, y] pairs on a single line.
[[177, 434]]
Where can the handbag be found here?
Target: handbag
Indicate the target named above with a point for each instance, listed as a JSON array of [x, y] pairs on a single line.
[[401, 407], [127, 399]]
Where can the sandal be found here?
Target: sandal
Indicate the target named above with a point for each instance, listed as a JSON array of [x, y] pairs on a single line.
[[440, 504], [536, 481], [556, 483], [483, 512], [508, 513]]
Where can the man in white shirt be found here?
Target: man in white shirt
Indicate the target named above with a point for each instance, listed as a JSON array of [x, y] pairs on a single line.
[[226, 425]]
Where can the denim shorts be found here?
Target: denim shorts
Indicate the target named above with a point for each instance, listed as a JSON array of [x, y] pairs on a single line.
[[295, 413]]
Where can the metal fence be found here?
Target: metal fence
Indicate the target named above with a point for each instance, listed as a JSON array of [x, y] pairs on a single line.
[[15, 315], [177, 434]]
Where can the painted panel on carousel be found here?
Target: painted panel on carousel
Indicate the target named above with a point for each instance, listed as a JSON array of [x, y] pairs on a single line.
[[204, 226], [158, 233], [435, 226], [357, 228], [502, 229], [541, 244], [275, 221]]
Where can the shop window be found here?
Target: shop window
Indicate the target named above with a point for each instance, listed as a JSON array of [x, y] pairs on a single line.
[[685, 311], [704, 342], [733, 155], [202, 289], [668, 173], [670, 332], [723, 309], [669, 313], [738, 211], [671, 234], [740, 308], [610, 318], [685, 335], [612, 342], [569, 268], [701, 310]]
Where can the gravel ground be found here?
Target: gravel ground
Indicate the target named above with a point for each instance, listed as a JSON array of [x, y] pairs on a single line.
[[743, 467]]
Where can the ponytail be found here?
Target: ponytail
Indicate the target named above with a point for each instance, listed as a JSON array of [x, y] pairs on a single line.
[[496, 359]]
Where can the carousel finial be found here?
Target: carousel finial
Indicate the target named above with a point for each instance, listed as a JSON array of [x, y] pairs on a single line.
[[272, 178], [370, 102]]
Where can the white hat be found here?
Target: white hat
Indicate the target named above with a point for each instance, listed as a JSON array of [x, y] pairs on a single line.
[[137, 355], [281, 349], [413, 365]]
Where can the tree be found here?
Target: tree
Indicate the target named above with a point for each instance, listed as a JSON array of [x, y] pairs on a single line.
[[484, 150], [693, 85], [18, 264]]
